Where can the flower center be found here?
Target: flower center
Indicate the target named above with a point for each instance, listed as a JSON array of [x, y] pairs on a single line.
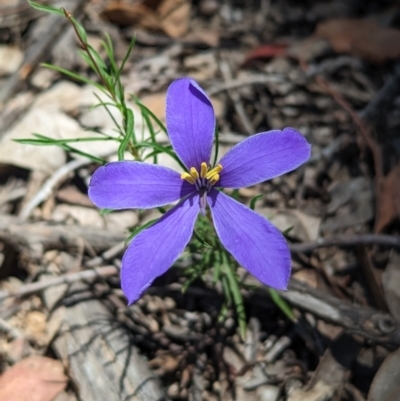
[[203, 180]]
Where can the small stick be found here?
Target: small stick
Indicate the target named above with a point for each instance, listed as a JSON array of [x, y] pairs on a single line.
[[31, 288], [48, 187], [9, 329], [251, 80], [247, 124], [347, 241]]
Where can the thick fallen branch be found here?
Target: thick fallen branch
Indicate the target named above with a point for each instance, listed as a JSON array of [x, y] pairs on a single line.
[[368, 322], [34, 238]]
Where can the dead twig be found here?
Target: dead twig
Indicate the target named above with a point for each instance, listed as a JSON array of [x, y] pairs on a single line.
[[32, 288], [32, 239], [29, 236], [347, 241], [47, 189], [239, 83], [10, 330], [237, 103], [368, 322]]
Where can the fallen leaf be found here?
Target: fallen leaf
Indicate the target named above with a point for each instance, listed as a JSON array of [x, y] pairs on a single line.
[[388, 199], [174, 16], [386, 383], [265, 52], [170, 16], [361, 37], [36, 378], [305, 227]]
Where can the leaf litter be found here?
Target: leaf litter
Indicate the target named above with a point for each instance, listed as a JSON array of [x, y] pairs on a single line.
[[349, 189]]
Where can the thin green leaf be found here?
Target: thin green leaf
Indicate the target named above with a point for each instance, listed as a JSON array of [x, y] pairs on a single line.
[[152, 133], [235, 194], [216, 135], [46, 9], [223, 313], [137, 230], [98, 60], [152, 115], [254, 200], [236, 295], [106, 105], [129, 124], [122, 147], [55, 142], [105, 212], [95, 159], [73, 75], [287, 231], [282, 304], [201, 240], [163, 149], [128, 53], [79, 29]]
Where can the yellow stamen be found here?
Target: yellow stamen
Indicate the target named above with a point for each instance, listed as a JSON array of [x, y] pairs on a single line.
[[215, 171], [187, 177], [194, 173], [214, 179], [203, 170]]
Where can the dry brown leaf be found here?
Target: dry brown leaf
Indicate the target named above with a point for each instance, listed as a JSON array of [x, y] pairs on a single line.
[[36, 378], [362, 37], [388, 199], [385, 386], [170, 16], [175, 16]]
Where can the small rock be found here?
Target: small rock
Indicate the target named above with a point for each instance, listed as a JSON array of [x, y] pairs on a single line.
[[10, 59], [267, 392], [173, 390]]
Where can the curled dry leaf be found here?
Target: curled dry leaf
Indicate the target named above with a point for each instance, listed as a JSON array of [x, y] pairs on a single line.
[[362, 37], [36, 378], [170, 16]]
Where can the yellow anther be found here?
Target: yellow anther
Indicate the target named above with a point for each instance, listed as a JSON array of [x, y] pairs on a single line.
[[214, 179], [216, 170], [187, 177], [203, 170], [194, 173]]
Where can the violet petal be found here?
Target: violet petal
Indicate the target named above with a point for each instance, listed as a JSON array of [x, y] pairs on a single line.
[[156, 248], [253, 241], [131, 184], [190, 122], [262, 157]]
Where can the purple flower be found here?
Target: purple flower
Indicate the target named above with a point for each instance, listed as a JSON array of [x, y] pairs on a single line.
[[254, 242]]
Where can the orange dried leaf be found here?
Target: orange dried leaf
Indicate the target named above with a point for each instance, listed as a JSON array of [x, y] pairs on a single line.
[[362, 37], [265, 52], [36, 378]]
